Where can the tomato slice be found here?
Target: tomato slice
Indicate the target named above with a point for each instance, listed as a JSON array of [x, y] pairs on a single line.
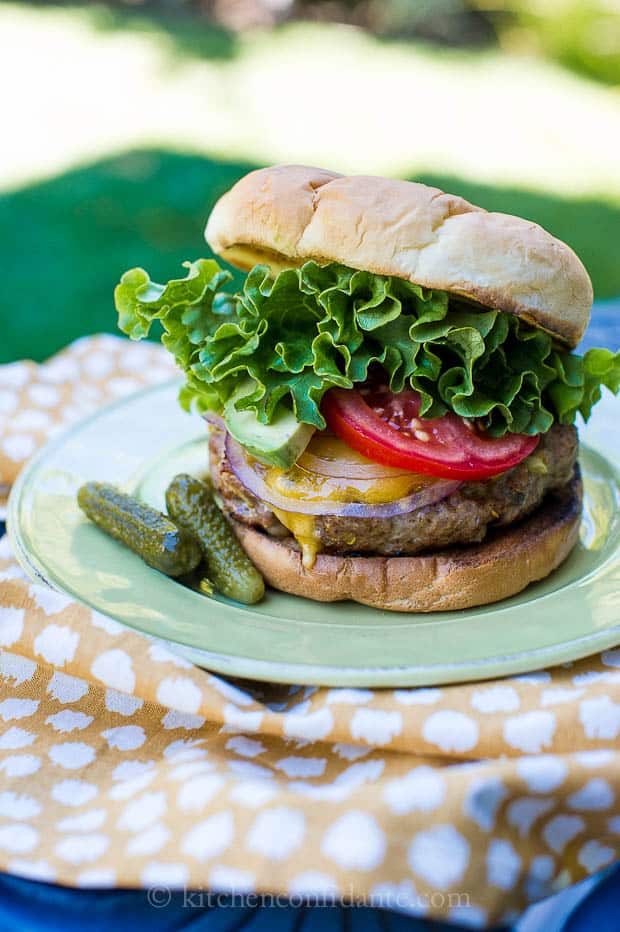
[[386, 428]]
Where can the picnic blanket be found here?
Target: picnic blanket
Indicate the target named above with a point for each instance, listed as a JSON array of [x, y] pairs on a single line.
[[123, 765]]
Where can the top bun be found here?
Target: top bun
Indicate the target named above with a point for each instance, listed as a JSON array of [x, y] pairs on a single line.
[[288, 214]]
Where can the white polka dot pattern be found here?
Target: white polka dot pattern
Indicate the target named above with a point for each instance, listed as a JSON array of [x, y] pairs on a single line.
[[35, 401], [120, 763]]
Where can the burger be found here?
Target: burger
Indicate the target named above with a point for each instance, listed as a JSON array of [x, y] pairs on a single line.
[[391, 394]]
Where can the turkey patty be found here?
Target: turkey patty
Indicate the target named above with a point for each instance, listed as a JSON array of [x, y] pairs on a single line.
[[463, 517]]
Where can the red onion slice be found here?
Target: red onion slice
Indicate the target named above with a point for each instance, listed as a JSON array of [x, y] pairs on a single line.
[[215, 420], [248, 474]]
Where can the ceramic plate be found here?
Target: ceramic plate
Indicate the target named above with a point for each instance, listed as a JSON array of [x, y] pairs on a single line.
[[142, 441]]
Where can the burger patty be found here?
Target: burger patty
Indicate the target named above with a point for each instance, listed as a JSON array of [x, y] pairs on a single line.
[[463, 517]]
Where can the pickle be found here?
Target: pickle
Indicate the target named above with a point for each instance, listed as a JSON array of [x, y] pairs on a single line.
[[153, 536], [191, 504]]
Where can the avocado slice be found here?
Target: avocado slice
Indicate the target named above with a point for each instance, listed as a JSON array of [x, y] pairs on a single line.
[[280, 443]]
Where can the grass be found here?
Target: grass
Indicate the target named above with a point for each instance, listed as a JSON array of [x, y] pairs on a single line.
[[66, 241], [122, 128], [94, 82]]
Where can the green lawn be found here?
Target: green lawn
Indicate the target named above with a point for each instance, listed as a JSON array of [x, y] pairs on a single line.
[[65, 242], [89, 82], [122, 129]]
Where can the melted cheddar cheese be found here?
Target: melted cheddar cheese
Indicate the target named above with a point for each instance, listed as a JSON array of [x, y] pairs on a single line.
[[303, 529], [329, 471]]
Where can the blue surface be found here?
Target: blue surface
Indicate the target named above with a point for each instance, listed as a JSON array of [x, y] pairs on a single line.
[[604, 327], [599, 910], [27, 906]]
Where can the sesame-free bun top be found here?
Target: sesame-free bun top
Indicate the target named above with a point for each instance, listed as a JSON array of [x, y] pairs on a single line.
[[288, 214]]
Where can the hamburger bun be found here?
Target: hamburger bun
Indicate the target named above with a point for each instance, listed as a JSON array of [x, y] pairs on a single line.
[[455, 578], [289, 214]]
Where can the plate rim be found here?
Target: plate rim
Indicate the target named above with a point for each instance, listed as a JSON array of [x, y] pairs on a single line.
[[240, 665]]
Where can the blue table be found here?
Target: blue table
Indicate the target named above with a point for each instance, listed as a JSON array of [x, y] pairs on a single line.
[[27, 906]]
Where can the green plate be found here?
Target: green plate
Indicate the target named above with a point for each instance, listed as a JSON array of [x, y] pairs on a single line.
[[142, 441]]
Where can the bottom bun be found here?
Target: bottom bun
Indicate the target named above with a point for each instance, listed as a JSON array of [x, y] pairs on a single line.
[[460, 577]]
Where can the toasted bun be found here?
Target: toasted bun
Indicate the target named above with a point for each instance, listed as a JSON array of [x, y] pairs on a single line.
[[288, 214], [460, 577]]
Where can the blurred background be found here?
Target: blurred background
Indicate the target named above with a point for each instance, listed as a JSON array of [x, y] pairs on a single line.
[[122, 122]]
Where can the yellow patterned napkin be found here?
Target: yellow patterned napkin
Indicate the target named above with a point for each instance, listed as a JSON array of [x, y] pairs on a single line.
[[121, 764]]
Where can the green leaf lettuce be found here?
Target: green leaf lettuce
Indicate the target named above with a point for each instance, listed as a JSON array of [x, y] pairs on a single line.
[[310, 329]]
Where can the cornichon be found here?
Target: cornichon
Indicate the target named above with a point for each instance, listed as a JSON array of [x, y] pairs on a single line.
[[190, 502], [153, 536]]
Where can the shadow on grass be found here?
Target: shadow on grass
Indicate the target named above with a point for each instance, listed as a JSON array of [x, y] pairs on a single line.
[[182, 32], [65, 242], [583, 39]]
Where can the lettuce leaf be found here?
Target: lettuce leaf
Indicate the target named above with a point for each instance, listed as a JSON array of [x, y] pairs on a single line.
[[313, 328]]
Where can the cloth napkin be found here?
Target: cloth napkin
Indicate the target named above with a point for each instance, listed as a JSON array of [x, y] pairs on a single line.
[[122, 764]]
